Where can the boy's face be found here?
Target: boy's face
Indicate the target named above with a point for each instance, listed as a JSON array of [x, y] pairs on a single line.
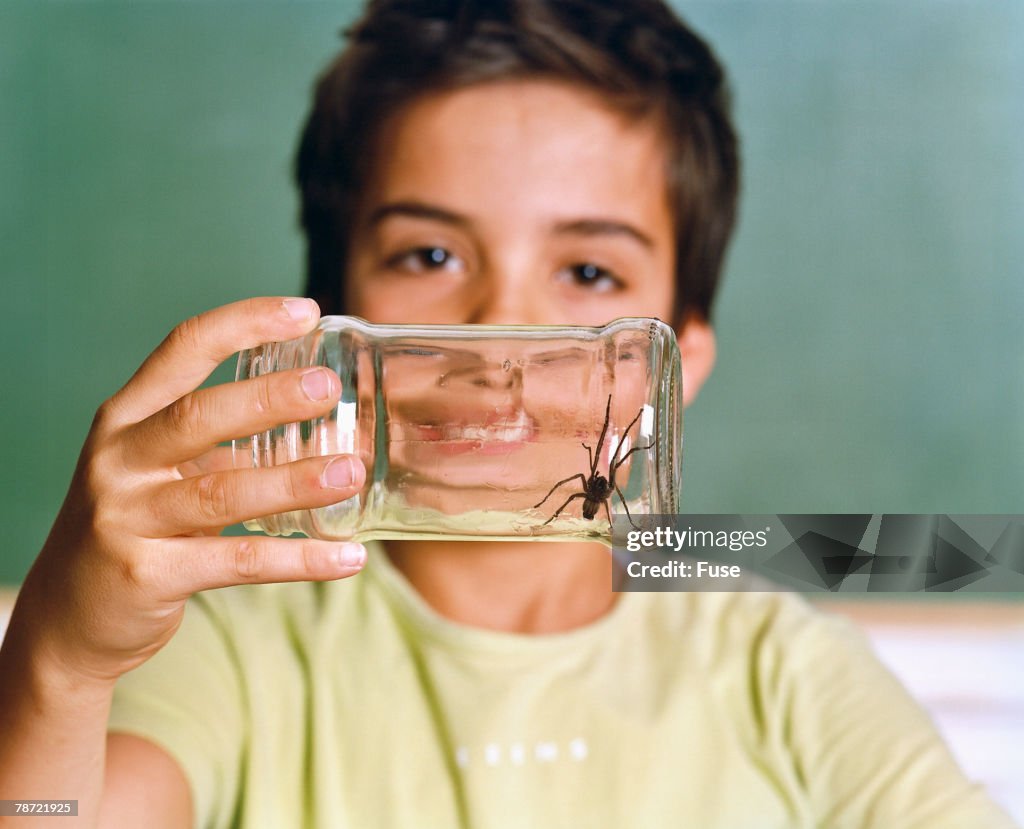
[[524, 202], [510, 203]]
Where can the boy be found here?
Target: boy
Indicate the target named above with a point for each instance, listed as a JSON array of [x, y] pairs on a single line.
[[521, 162]]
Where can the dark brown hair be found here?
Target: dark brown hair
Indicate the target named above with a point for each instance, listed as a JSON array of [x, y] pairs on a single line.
[[635, 53]]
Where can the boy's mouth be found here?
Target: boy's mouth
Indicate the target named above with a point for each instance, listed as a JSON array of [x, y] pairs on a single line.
[[515, 429], [497, 433]]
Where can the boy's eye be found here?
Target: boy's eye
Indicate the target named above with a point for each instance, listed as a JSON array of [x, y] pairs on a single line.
[[423, 259], [593, 277]]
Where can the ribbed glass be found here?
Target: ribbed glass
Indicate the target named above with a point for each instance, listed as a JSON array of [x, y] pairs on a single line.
[[470, 431]]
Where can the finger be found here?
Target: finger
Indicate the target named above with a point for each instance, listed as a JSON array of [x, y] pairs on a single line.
[[191, 352], [218, 499], [218, 459], [191, 565], [200, 420]]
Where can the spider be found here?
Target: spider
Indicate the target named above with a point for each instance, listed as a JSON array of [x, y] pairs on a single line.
[[597, 489]]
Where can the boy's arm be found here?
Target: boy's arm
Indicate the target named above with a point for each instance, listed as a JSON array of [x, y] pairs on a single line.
[[144, 786], [63, 722], [138, 534], [870, 756]]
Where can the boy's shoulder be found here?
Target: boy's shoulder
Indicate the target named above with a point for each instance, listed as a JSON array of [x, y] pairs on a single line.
[[772, 639], [762, 615]]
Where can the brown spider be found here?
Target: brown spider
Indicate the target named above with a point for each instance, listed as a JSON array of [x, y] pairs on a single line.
[[597, 489]]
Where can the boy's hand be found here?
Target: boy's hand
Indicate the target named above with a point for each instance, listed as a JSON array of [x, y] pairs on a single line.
[[136, 534]]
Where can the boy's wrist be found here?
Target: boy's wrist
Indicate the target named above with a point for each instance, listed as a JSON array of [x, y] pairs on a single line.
[[54, 721], [46, 675]]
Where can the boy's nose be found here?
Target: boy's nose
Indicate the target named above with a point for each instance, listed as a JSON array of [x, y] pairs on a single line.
[[487, 366], [508, 300], [496, 378]]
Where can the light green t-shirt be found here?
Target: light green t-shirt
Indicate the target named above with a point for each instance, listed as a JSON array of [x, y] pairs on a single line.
[[353, 704]]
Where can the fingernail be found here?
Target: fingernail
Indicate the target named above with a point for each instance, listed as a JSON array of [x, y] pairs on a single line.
[[350, 555], [339, 473], [299, 309], [316, 383]]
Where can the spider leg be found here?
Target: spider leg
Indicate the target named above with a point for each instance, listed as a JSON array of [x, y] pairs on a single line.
[[556, 486], [608, 512], [613, 467], [632, 423], [620, 459], [617, 462], [590, 456], [600, 442], [568, 501], [623, 499]]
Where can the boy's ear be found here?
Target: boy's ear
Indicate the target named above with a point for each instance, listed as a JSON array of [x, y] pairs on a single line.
[[697, 350]]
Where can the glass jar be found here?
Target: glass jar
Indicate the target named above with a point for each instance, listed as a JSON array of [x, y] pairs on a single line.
[[484, 431]]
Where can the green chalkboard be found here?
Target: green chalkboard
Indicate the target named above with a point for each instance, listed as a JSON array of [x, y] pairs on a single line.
[[871, 347]]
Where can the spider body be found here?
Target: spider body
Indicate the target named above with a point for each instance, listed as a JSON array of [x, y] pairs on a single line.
[[597, 489]]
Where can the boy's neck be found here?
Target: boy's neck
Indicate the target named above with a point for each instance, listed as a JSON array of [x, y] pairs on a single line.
[[535, 588]]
